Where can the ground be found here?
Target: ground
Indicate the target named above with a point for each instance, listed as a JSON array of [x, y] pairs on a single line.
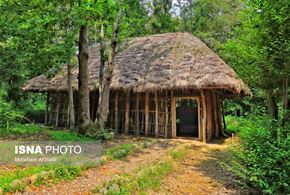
[[198, 173]]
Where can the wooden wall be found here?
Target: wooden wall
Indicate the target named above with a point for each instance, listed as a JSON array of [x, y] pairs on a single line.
[[149, 114]]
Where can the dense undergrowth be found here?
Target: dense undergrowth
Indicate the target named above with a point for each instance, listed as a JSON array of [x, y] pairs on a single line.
[[262, 158]]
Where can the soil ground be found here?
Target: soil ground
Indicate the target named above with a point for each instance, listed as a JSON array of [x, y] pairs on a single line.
[[199, 173]]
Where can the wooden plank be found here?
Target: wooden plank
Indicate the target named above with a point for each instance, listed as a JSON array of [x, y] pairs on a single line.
[[215, 122], [156, 115], [146, 114], [57, 109], [46, 109], [137, 114], [127, 112], [173, 114], [116, 112], [166, 116], [204, 117], [219, 116]]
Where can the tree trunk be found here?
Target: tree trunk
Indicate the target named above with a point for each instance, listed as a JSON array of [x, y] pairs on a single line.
[[285, 102], [103, 109], [272, 105], [83, 78], [71, 110]]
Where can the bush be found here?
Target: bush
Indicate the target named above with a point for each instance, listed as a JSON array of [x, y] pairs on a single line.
[[262, 159], [8, 114]]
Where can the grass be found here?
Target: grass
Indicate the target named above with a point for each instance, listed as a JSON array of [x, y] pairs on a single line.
[[50, 134], [144, 178]]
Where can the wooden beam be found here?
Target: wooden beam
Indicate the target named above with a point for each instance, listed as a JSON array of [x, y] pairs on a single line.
[[137, 114], [204, 117], [57, 109], [166, 116], [156, 115], [215, 117], [173, 114], [46, 109], [127, 113], [116, 112], [146, 114]]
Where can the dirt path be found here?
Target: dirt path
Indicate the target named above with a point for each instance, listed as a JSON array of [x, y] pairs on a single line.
[[97, 176], [200, 173]]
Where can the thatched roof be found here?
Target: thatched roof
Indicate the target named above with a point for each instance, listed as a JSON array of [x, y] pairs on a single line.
[[155, 62]]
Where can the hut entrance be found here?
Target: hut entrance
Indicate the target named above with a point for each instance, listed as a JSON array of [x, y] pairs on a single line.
[[187, 117]]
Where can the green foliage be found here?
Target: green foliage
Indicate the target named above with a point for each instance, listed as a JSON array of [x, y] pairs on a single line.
[[8, 114], [141, 181], [262, 158], [67, 172], [68, 136], [120, 151]]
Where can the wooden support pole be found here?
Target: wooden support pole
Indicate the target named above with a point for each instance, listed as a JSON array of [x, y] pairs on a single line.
[[116, 112], [166, 116], [219, 116], [57, 109], [173, 114], [156, 115], [127, 113], [199, 120], [215, 112], [204, 117], [209, 115], [146, 114], [46, 109], [137, 114]]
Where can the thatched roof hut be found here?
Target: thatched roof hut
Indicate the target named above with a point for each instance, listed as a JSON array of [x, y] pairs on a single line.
[[175, 63], [155, 63]]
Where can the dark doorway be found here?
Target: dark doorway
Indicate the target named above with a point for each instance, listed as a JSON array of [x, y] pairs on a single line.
[[187, 117]]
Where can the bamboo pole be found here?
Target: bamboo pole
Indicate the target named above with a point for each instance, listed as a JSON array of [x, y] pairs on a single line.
[[127, 113], [46, 109], [156, 115], [116, 112], [146, 114], [137, 114], [219, 114], [204, 118], [215, 110], [166, 116], [198, 117]]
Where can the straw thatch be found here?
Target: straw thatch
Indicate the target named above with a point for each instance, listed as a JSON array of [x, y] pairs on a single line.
[[156, 62]]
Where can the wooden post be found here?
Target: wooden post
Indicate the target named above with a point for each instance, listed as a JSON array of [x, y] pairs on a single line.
[[204, 117], [219, 116], [137, 114], [166, 116], [46, 109], [215, 110], [57, 109], [146, 113], [209, 115], [116, 112], [173, 114], [223, 115], [199, 121], [127, 113], [156, 115]]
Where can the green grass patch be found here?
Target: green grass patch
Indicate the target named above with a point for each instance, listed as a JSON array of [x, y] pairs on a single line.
[[67, 136], [144, 178], [17, 180]]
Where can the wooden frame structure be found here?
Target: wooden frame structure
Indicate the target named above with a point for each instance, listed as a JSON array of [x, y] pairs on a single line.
[[148, 114]]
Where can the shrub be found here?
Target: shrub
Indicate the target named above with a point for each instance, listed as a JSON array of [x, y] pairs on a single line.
[[8, 114], [262, 160]]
